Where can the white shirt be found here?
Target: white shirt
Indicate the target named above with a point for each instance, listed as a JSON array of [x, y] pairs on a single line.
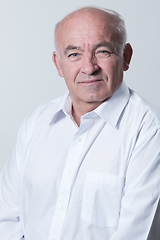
[[100, 181]]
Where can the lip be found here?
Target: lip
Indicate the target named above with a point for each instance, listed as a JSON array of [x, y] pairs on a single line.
[[91, 81]]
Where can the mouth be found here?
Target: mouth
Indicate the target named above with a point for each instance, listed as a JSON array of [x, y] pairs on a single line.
[[93, 81]]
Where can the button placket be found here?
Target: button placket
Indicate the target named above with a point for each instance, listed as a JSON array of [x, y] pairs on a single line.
[[69, 171], [72, 165], [79, 139]]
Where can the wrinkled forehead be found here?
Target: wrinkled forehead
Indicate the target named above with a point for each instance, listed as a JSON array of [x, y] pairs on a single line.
[[85, 25]]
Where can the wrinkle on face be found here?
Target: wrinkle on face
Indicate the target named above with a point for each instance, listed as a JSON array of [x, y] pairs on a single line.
[[90, 16], [90, 80]]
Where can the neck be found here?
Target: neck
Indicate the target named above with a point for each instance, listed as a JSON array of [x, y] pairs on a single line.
[[78, 110]]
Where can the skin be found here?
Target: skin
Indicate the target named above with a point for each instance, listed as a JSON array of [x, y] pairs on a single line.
[[92, 76]]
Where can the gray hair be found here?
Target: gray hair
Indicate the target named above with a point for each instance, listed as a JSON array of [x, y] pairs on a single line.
[[116, 23], [119, 29]]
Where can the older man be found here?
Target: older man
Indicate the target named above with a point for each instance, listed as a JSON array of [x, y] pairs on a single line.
[[87, 165]]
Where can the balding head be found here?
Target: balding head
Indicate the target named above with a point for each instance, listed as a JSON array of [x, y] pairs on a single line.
[[92, 56], [114, 24]]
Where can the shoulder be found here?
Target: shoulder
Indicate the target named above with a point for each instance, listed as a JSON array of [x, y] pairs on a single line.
[[44, 111], [40, 116], [143, 110]]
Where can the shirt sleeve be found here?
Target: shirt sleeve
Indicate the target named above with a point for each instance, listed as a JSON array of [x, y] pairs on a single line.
[[140, 207], [10, 224]]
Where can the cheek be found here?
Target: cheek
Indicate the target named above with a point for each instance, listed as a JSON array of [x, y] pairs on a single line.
[[69, 76], [108, 69], [113, 73], [113, 69], [70, 72]]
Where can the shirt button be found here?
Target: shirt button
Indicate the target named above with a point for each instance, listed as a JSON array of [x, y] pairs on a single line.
[[69, 171], [61, 206], [79, 139]]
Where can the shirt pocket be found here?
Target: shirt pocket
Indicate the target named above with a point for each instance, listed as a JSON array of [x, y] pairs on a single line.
[[102, 199]]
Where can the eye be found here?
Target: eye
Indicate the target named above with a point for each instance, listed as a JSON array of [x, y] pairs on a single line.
[[73, 55], [103, 53]]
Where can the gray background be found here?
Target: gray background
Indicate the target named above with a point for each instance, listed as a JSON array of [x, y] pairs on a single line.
[[27, 74]]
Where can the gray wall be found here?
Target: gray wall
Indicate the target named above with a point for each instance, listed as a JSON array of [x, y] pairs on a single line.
[[27, 74]]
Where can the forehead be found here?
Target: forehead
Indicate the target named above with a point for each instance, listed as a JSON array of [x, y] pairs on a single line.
[[85, 28]]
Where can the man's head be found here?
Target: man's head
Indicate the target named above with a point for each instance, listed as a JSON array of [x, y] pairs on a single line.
[[113, 20], [91, 54]]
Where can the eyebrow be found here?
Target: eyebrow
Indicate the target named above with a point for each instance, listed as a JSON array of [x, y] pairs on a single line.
[[104, 44], [71, 47], [100, 44]]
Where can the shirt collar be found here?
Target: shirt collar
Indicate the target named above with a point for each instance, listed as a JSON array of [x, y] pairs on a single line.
[[63, 106], [110, 110]]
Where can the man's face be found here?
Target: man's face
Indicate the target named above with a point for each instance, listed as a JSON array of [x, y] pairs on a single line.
[[91, 74]]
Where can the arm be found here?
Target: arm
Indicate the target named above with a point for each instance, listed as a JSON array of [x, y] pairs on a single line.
[[10, 225], [140, 212]]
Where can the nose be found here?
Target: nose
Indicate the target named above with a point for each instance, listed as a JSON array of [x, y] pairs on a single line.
[[89, 65]]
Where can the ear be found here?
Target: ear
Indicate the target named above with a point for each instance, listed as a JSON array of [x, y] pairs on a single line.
[[56, 61], [127, 55]]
